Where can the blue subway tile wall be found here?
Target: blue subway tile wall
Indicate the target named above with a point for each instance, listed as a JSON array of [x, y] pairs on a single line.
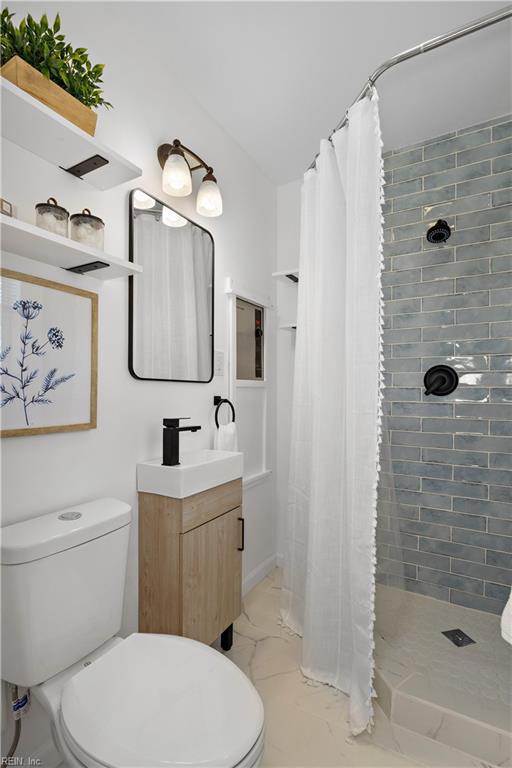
[[445, 495]]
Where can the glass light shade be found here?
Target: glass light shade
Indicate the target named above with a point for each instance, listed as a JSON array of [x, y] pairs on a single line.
[[209, 199], [176, 176], [142, 201], [172, 219]]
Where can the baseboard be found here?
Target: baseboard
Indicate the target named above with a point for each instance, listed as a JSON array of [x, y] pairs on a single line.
[[258, 573], [47, 756]]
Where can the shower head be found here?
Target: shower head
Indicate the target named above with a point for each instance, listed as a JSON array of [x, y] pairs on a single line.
[[439, 232]]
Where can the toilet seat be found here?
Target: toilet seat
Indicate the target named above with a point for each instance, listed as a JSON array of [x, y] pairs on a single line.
[[161, 700]]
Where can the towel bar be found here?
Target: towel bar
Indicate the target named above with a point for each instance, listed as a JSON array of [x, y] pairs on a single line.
[[218, 401]]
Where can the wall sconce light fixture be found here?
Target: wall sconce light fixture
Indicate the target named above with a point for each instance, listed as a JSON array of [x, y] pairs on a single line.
[[177, 177]]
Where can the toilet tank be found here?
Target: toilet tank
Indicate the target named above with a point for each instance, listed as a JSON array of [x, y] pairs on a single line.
[[63, 577]]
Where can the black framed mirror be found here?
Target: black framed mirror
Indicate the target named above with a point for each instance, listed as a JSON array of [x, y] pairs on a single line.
[[171, 303]]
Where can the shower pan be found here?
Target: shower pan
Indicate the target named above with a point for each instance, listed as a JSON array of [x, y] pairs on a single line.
[[444, 534]]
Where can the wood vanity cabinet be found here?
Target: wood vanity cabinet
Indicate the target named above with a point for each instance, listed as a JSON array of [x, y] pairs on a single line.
[[190, 562]]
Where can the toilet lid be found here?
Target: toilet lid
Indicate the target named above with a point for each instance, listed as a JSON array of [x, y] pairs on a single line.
[[161, 700]]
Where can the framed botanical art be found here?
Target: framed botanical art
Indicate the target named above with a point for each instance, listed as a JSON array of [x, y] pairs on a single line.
[[48, 356]]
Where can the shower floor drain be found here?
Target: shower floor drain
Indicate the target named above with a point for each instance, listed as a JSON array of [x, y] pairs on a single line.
[[458, 637]]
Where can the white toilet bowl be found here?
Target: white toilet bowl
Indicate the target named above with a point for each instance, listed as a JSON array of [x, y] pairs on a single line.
[[152, 701]]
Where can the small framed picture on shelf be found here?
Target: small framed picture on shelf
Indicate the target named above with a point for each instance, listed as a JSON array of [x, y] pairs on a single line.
[[48, 356]]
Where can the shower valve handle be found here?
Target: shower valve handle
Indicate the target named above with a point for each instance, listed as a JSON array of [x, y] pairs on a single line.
[[440, 380], [436, 382]]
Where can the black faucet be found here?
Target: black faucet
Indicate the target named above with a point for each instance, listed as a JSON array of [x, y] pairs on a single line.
[[172, 429]]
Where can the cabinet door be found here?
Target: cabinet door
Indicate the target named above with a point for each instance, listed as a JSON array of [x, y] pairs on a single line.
[[211, 576]]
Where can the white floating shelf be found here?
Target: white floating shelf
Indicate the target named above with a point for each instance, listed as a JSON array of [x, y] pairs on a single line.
[[32, 242], [288, 327], [32, 125], [288, 275]]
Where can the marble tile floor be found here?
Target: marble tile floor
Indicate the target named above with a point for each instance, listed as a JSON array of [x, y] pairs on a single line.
[[305, 724]]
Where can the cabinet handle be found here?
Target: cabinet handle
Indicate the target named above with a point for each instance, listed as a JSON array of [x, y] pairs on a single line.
[[241, 549]]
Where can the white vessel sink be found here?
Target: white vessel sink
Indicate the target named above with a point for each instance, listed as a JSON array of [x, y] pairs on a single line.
[[198, 471]]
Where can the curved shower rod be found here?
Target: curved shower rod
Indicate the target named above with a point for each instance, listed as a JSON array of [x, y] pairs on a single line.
[[429, 45]]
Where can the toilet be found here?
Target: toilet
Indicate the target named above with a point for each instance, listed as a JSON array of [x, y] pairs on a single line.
[[140, 702]]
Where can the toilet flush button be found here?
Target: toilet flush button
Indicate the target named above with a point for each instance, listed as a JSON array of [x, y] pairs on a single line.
[[70, 516]]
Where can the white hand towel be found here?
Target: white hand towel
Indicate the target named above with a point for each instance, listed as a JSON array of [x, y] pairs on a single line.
[[506, 621], [225, 438]]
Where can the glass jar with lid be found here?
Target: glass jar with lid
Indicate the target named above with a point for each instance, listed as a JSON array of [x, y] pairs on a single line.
[[52, 217], [87, 229]]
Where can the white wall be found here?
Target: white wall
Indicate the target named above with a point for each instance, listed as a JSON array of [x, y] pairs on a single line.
[[288, 238], [44, 473]]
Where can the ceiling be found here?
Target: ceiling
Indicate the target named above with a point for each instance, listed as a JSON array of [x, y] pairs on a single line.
[[279, 75]]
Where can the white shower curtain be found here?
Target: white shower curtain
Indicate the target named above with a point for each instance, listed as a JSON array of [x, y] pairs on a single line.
[[329, 543]]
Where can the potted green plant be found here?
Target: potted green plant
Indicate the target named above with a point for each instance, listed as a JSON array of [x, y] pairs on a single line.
[[36, 58]]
